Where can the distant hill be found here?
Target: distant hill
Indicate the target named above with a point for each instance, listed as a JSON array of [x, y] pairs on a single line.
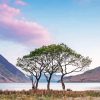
[[55, 78], [88, 76], [9, 73]]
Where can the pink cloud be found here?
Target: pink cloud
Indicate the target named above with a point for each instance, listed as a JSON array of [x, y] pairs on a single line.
[[21, 2], [4, 1], [6, 11], [21, 31]]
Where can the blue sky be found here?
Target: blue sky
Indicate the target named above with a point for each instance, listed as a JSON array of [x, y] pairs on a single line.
[[28, 24]]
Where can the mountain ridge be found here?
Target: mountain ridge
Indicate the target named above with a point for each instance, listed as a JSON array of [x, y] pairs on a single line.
[[88, 76], [9, 73]]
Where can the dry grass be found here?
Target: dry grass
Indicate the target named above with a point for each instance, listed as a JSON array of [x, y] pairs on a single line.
[[49, 95]]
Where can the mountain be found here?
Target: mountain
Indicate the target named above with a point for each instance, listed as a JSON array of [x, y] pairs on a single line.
[[9, 73], [55, 78], [88, 76]]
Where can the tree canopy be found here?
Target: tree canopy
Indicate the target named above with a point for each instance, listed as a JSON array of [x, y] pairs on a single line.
[[56, 58]]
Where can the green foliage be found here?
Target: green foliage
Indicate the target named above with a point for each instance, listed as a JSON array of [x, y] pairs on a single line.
[[51, 49], [52, 59]]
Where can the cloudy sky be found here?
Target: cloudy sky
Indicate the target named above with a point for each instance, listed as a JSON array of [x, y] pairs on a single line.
[[29, 24]]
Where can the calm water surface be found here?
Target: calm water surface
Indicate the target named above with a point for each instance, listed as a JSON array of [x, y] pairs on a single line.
[[54, 86]]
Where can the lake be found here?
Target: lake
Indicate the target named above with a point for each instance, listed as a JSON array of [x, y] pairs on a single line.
[[54, 86]]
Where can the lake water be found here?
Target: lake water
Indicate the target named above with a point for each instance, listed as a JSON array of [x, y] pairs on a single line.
[[54, 86]]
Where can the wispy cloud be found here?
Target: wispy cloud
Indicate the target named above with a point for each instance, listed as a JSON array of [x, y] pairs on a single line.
[[4, 1], [21, 2], [8, 12], [21, 31], [85, 1], [17, 2]]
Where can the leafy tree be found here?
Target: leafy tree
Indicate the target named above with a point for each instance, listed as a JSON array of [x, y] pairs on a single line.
[[51, 65], [47, 55], [66, 58], [53, 59], [34, 67]]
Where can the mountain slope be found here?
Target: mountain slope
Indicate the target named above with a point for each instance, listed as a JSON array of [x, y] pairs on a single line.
[[9, 73], [55, 78], [88, 76]]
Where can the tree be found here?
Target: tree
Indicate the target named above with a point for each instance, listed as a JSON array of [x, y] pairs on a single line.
[[47, 55], [66, 58], [53, 59], [48, 73], [59, 58], [51, 65], [34, 67]]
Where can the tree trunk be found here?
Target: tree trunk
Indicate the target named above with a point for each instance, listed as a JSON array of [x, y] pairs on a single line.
[[62, 82], [33, 87], [48, 84], [32, 83], [37, 80], [37, 83]]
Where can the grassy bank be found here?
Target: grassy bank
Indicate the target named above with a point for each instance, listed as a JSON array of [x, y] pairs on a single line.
[[49, 95]]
